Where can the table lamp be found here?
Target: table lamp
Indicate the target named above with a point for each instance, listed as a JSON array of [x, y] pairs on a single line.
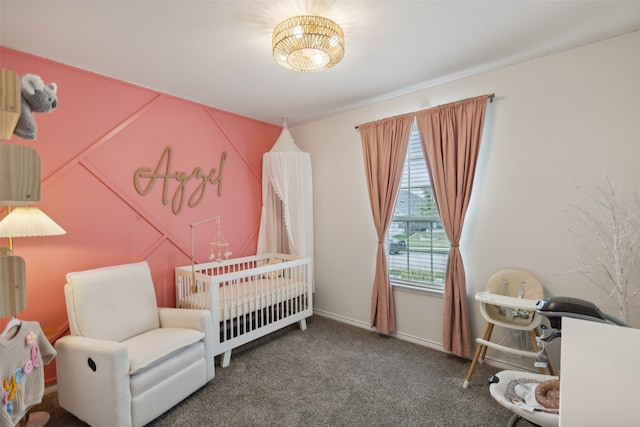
[[20, 222]]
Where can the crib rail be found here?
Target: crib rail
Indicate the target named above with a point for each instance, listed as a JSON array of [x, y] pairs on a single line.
[[248, 297]]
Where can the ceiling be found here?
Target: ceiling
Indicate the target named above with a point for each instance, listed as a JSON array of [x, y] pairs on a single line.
[[218, 53]]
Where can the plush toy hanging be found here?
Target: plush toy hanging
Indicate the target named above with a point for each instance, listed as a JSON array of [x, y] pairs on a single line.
[[36, 98]]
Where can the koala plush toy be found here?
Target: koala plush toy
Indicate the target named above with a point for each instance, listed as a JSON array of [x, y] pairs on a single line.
[[36, 98]]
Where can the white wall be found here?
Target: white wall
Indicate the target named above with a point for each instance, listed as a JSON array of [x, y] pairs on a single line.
[[554, 119]]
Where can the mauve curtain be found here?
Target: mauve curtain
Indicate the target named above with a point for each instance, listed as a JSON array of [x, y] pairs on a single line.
[[384, 145], [451, 137]]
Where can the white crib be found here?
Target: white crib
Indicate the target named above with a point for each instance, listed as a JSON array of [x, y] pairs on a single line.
[[255, 296]]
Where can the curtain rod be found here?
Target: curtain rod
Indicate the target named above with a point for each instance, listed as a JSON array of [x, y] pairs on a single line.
[[490, 97]]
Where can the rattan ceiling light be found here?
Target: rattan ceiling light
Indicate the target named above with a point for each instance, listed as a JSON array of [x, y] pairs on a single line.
[[308, 43]]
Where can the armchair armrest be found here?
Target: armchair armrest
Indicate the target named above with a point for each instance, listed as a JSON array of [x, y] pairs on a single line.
[[93, 379], [199, 320], [185, 318]]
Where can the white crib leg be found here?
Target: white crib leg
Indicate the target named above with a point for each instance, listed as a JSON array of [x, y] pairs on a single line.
[[226, 358], [303, 324]]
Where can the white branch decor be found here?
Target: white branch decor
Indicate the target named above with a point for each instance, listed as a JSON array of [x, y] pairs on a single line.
[[611, 248]]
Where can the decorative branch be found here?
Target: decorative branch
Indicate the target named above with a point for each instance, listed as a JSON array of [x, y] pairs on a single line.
[[612, 246]]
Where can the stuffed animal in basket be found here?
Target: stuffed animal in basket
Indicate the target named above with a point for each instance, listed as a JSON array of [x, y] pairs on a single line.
[[36, 98]]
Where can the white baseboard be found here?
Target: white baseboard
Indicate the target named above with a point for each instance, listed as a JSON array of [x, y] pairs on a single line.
[[399, 335], [501, 364], [342, 319]]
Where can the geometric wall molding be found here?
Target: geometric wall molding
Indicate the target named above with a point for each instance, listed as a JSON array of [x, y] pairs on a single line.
[[102, 132]]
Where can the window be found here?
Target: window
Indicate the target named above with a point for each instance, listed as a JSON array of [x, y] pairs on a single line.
[[417, 245]]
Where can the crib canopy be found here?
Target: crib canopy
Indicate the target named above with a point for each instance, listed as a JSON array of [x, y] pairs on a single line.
[[286, 223]]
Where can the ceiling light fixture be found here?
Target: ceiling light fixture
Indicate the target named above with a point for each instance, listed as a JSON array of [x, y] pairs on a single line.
[[308, 43]]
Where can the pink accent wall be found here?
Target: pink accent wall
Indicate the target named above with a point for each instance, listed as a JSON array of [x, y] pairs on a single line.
[[90, 146]]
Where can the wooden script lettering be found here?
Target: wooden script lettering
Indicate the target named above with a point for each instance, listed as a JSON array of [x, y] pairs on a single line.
[[163, 172]]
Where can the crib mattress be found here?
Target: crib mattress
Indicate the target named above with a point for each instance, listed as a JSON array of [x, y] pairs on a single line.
[[237, 299]]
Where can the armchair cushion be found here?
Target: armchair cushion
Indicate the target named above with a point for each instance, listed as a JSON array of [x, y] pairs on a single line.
[[147, 348]]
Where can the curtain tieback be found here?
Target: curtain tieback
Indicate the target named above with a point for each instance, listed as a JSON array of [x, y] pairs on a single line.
[[454, 246]]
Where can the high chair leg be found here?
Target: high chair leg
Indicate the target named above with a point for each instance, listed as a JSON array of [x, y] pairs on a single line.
[[480, 350], [487, 337]]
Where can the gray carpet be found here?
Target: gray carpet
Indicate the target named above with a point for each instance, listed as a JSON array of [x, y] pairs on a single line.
[[332, 374]]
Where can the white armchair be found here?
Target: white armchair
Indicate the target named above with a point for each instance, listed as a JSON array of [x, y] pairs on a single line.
[[127, 360]]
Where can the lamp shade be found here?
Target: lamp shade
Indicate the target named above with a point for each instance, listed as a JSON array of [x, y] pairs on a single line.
[[29, 222], [308, 43]]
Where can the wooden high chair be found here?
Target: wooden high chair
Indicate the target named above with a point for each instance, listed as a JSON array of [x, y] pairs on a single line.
[[509, 301]]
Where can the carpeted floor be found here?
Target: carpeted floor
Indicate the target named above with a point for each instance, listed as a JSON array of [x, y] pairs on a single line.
[[332, 374]]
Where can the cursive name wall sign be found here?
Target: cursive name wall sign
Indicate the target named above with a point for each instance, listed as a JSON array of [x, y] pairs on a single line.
[[145, 178]]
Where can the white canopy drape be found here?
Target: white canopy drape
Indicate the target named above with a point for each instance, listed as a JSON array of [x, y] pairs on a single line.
[[286, 223]]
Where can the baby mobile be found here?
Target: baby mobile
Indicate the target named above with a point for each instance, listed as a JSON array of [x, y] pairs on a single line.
[[217, 246]]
